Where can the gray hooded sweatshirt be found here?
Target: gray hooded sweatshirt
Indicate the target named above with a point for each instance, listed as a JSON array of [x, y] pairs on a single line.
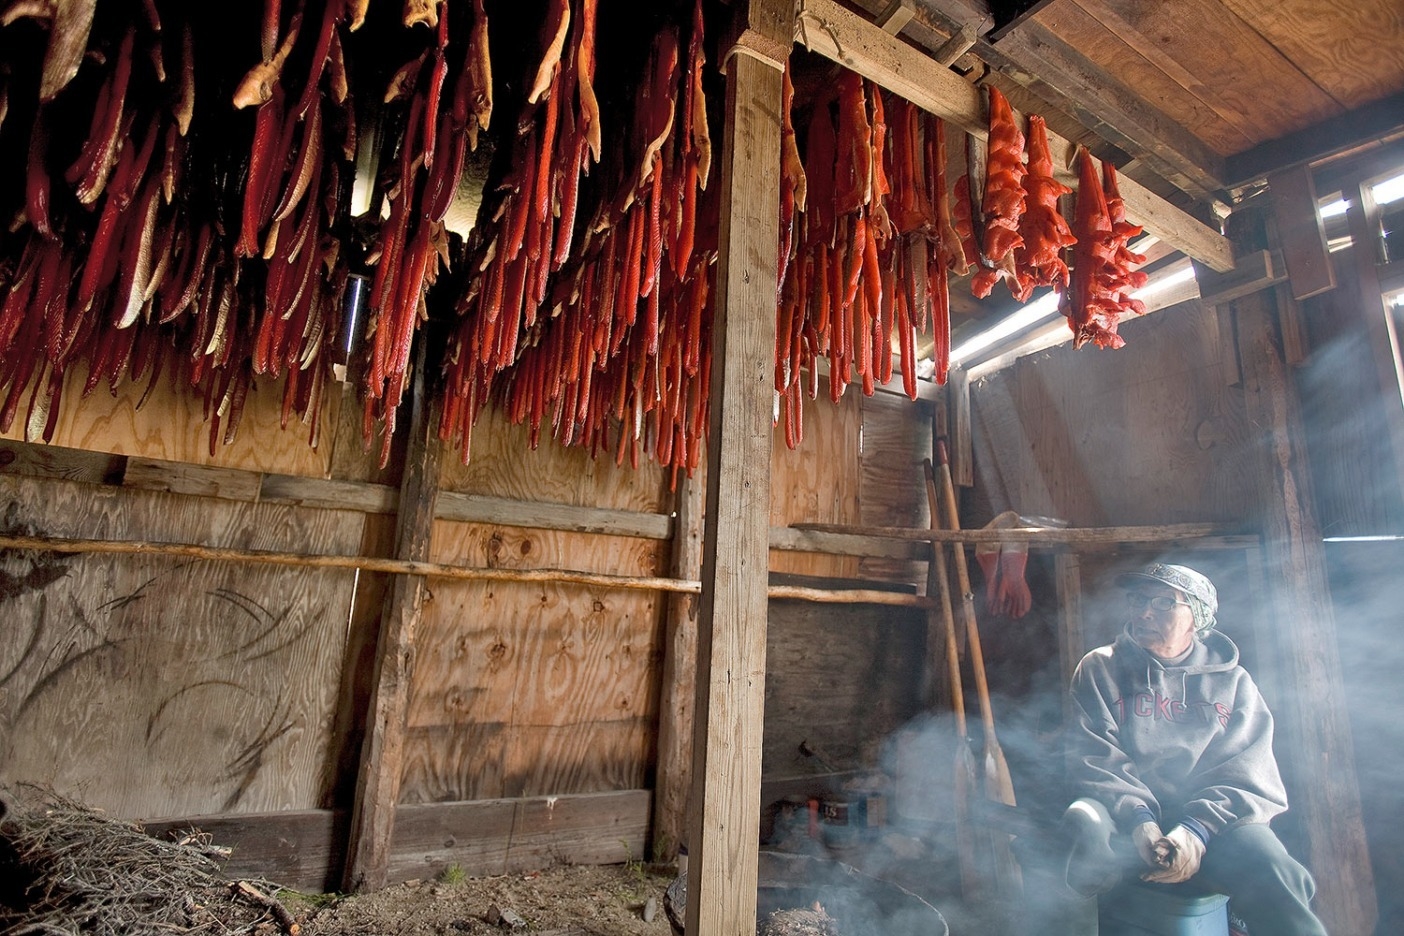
[[1188, 740]]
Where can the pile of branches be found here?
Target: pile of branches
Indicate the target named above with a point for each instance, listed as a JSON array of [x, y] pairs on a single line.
[[65, 868]]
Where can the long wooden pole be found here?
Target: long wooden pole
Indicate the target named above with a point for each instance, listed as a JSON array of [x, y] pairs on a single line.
[[440, 570], [999, 784], [964, 781]]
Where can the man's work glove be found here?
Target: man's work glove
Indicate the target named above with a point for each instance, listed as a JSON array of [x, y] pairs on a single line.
[[1187, 852], [1152, 845]]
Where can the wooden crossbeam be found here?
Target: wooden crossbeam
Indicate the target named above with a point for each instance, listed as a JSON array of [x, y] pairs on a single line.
[[832, 31]]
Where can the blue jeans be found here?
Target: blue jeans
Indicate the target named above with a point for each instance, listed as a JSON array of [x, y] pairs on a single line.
[[1268, 889]]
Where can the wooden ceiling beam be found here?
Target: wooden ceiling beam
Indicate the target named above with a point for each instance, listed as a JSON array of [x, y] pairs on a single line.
[[844, 37], [1375, 122], [1029, 54]]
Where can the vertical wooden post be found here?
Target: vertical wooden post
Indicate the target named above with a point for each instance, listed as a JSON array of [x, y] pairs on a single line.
[[725, 809], [378, 780], [1071, 643], [679, 695], [961, 448], [1316, 747]]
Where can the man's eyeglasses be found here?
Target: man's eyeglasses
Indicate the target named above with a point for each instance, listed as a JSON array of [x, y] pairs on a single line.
[[1139, 602]]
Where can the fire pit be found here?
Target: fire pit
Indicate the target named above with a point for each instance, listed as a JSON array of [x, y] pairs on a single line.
[[860, 905]]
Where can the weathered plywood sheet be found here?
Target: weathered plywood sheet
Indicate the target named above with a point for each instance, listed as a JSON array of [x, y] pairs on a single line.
[[153, 687], [818, 482], [1354, 51], [1143, 435], [503, 464], [533, 689], [171, 426]]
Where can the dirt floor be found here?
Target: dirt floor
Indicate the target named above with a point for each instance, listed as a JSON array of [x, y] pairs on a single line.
[[578, 900]]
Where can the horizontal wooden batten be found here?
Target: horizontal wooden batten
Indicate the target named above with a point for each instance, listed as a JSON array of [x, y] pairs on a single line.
[[1205, 535], [1256, 271], [1342, 133], [306, 848], [846, 38], [476, 508], [795, 539], [321, 493]]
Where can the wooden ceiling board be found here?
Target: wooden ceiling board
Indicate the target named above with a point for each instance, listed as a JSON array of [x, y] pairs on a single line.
[[1249, 77], [1084, 27], [1353, 50]]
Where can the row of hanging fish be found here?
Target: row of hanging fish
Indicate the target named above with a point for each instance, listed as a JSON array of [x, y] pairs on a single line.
[[200, 224], [870, 234]]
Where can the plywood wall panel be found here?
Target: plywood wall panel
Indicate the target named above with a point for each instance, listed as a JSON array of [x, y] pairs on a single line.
[[171, 426], [152, 687], [818, 481], [528, 689], [503, 464]]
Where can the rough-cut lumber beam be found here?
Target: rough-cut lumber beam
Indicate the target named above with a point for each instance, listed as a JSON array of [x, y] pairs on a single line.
[[1071, 643], [476, 508], [962, 450], [1374, 121], [1047, 68], [679, 694], [1318, 756], [378, 779], [830, 30], [725, 821], [1256, 270], [1010, 14], [792, 539], [1302, 232], [200, 480], [65, 464], [1212, 533], [896, 15], [304, 848]]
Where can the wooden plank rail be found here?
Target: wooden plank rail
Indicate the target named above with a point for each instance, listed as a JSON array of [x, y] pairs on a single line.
[[828, 29], [1209, 534]]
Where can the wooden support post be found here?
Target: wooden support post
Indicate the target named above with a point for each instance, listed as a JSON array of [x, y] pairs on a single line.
[[1302, 232], [378, 780], [724, 827], [1071, 643], [962, 451], [679, 694], [831, 30], [1317, 752]]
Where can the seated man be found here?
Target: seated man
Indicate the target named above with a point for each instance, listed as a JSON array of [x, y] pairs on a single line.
[[1171, 749]]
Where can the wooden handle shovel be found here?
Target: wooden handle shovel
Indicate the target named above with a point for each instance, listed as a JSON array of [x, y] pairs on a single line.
[[999, 785], [964, 776]]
